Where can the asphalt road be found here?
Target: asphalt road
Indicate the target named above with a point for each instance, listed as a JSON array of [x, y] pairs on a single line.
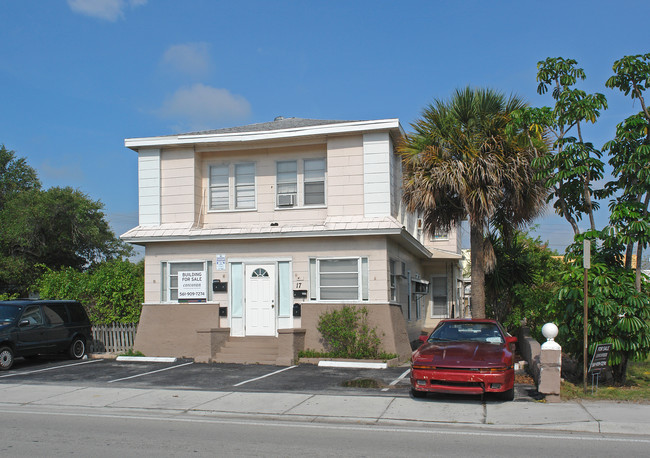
[[99, 433]]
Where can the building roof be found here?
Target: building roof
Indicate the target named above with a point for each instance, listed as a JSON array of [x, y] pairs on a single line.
[[277, 124], [279, 129]]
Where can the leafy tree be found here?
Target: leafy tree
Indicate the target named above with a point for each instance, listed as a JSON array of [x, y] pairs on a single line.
[[630, 159], [15, 175], [572, 164], [111, 292], [461, 163], [58, 227], [523, 281], [618, 313]]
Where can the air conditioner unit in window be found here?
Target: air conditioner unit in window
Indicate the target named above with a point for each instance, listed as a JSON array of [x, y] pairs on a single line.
[[286, 200]]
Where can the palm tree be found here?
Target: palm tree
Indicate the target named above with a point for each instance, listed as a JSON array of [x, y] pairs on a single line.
[[460, 164]]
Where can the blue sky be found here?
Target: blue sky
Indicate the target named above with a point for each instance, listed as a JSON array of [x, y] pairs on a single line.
[[79, 76]]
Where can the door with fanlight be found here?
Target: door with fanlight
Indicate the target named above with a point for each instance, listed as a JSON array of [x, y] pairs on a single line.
[[260, 310]]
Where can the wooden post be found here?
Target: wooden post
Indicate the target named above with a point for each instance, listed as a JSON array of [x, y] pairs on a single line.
[[586, 260]]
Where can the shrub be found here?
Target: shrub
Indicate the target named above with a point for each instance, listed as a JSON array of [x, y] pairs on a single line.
[[346, 333]]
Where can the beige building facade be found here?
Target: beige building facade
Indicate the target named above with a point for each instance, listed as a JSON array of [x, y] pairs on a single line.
[[251, 233]]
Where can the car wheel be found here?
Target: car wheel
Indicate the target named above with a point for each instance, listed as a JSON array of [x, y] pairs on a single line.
[[418, 394], [77, 348], [6, 358], [508, 395]]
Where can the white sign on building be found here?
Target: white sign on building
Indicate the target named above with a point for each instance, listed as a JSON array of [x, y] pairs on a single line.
[[191, 285]]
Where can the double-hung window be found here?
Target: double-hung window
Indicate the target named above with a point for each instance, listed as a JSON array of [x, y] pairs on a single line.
[[232, 186], [300, 183], [171, 283], [314, 185], [287, 183], [339, 279]]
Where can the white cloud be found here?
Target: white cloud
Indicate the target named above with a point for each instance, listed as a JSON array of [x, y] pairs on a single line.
[[202, 107], [110, 10], [190, 58]]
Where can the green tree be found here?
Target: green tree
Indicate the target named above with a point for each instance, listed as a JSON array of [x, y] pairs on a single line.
[[112, 291], [618, 313], [15, 175], [57, 228], [630, 160], [571, 164], [523, 281], [461, 163]]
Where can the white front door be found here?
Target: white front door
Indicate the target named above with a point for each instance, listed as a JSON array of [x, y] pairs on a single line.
[[260, 300]]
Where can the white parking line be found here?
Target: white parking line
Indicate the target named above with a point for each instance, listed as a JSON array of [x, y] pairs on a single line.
[[264, 376], [151, 372], [13, 374], [396, 381]]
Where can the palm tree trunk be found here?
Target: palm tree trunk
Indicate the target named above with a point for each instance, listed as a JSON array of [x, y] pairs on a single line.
[[478, 269]]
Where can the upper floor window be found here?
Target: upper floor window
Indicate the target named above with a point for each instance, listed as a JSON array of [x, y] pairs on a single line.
[[314, 181], [287, 183], [439, 235], [232, 186], [310, 179]]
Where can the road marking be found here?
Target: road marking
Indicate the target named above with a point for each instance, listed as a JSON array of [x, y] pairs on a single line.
[[151, 372], [397, 380], [14, 374], [264, 376]]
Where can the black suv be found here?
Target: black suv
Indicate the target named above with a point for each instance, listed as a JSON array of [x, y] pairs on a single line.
[[30, 327]]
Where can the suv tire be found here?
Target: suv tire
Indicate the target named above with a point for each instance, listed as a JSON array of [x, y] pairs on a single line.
[[77, 348], [6, 358]]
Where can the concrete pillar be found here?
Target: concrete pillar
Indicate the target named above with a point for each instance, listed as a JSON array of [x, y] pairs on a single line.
[[550, 367], [290, 342], [209, 341]]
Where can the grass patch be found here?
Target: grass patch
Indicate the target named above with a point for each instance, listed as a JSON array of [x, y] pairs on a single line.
[[362, 383], [637, 388], [319, 354], [130, 352]]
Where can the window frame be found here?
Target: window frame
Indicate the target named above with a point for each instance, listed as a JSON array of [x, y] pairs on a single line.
[[301, 183], [432, 291], [234, 187], [362, 284], [166, 288]]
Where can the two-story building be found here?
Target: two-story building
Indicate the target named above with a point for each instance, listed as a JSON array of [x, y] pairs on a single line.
[[252, 232]]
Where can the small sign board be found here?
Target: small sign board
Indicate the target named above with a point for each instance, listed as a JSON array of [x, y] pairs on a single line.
[[600, 357], [221, 262], [191, 285]]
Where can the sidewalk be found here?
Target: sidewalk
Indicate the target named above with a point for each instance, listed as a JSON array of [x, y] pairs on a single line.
[[593, 417]]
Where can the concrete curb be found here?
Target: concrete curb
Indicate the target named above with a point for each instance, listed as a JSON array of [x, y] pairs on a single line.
[[147, 359]]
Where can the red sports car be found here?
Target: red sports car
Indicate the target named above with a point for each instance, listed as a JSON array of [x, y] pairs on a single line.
[[464, 357]]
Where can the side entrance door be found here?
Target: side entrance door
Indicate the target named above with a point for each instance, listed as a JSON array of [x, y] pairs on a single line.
[[260, 311]]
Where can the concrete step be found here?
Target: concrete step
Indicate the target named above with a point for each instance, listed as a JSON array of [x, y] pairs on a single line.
[[248, 350]]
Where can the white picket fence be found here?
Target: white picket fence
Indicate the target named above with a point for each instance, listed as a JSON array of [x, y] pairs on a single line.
[[116, 337]]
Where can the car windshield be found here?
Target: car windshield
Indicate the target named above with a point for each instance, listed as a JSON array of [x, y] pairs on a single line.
[[8, 314], [457, 332]]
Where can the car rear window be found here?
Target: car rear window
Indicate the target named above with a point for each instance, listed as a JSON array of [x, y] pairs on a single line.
[[77, 313], [55, 313]]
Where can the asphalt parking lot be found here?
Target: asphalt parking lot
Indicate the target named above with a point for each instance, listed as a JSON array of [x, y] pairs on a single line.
[[187, 375]]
